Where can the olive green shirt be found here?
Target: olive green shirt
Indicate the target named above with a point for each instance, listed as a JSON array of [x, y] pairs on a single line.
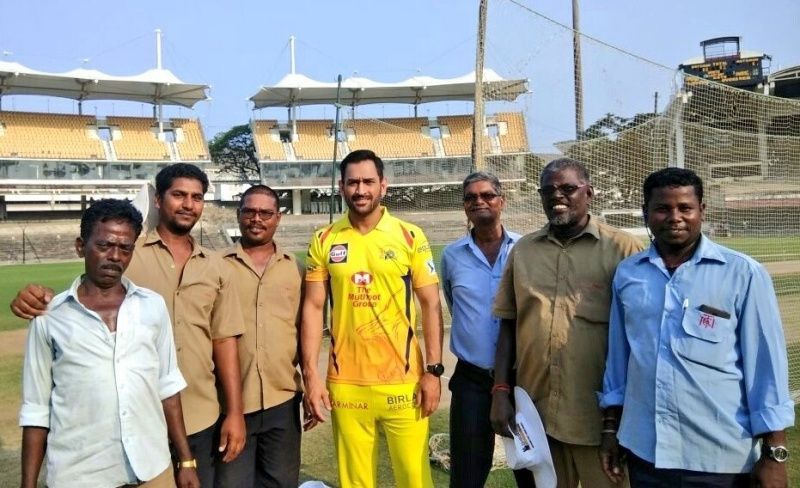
[[560, 296], [268, 349]]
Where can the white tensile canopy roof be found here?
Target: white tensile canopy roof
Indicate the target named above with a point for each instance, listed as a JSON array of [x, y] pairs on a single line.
[[296, 89], [156, 86]]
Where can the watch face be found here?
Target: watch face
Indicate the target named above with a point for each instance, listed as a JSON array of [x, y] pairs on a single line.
[[780, 454], [436, 369]]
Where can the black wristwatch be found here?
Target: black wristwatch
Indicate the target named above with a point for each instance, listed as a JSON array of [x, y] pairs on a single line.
[[779, 454], [436, 369]]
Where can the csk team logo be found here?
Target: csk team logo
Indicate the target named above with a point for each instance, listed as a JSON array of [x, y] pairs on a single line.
[[361, 278], [338, 253]]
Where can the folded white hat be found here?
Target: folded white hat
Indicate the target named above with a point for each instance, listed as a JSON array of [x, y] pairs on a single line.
[[528, 448]]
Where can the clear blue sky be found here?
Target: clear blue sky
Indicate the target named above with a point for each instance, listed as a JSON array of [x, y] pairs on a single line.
[[237, 46]]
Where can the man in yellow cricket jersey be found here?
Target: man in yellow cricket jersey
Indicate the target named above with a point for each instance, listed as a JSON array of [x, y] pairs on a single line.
[[371, 264]]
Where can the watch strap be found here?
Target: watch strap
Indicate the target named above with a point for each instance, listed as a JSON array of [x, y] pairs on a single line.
[[191, 463]]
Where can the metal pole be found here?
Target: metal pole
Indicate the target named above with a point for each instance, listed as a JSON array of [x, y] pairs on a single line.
[[158, 66], [655, 103], [576, 53], [293, 108], [23, 245], [335, 149], [291, 55], [158, 48], [478, 119]]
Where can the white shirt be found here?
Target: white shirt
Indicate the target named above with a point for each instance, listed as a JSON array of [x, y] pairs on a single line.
[[100, 395]]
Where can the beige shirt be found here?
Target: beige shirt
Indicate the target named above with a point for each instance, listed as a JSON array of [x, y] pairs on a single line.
[[202, 306], [268, 351], [560, 297]]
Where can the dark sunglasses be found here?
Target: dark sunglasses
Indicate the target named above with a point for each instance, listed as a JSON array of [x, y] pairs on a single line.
[[485, 196], [249, 213], [566, 190]]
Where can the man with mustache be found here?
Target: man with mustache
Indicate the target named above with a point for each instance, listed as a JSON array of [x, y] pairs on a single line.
[[697, 366], [471, 270], [195, 284], [268, 283], [100, 379], [373, 265], [553, 301]]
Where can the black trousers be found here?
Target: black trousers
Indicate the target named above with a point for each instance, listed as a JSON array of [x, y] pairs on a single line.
[[204, 446], [271, 455], [471, 433], [644, 474]]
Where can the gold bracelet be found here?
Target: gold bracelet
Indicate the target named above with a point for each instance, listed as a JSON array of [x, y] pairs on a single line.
[[191, 463]]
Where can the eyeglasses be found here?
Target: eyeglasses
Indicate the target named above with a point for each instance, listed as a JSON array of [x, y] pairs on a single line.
[[250, 213], [485, 196], [566, 190]]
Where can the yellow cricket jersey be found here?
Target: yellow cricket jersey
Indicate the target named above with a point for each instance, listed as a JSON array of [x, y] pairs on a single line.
[[371, 279]]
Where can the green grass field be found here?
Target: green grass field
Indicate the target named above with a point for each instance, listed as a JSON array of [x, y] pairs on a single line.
[[318, 460], [57, 276]]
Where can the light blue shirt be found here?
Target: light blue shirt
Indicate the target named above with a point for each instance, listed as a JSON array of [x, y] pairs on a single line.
[[696, 385], [100, 393], [469, 284]]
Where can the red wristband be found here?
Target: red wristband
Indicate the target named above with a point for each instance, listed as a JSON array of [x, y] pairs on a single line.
[[500, 387]]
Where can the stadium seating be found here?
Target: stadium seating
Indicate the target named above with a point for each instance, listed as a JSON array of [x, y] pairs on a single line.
[[137, 139], [459, 141], [515, 138], [391, 138], [268, 144], [48, 136], [314, 141], [191, 143]]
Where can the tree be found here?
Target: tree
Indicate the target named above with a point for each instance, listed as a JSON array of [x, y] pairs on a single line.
[[235, 152], [610, 124], [620, 152]]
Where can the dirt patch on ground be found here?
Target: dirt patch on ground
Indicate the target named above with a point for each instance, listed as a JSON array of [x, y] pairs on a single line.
[[783, 267], [12, 342]]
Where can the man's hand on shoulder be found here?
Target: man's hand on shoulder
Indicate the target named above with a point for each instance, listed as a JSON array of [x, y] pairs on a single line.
[[232, 437], [31, 301], [770, 474], [429, 393]]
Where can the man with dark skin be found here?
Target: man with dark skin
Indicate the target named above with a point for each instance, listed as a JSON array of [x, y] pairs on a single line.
[[470, 269], [553, 301], [268, 283], [56, 370], [697, 370], [195, 284]]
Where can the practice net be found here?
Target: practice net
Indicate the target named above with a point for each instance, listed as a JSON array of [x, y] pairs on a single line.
[[640, 116]]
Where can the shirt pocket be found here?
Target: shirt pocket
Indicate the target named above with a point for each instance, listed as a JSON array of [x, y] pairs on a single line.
[[707, 338], [594, 302]]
